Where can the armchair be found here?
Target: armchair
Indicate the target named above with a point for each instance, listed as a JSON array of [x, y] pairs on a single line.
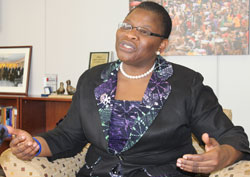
[[68, 167], [40, 166]]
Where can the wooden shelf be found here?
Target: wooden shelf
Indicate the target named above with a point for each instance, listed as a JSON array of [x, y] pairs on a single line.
[[36, 114]]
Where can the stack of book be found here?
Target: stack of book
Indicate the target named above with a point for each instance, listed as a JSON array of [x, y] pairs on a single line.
[[8, 115]]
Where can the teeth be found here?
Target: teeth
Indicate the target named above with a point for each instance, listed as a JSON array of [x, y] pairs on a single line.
[[127, 46]]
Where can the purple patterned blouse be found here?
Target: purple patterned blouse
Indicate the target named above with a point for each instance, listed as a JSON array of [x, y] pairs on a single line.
[[123, 117]]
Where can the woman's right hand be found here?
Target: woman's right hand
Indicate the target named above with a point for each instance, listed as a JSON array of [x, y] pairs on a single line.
[[22, 145]]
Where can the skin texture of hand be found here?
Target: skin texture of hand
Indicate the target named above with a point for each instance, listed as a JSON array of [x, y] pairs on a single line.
[[216, 157], [22, 145]]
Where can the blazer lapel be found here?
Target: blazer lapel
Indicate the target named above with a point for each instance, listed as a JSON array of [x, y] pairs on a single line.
[[104, 94]]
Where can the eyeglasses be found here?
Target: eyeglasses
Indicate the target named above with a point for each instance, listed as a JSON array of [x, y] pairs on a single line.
[[141, 30]]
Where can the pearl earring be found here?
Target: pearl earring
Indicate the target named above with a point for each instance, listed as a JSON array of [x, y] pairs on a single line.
[[158, 52]]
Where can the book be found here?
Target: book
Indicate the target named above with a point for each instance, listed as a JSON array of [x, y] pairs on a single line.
[[8, 116], [14, 117], [0, 115], [4, 115]]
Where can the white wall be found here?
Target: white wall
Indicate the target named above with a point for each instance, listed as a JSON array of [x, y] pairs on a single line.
[[64, 32]]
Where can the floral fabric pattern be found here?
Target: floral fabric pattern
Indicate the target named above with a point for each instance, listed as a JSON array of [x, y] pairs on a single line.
[[123, 118]]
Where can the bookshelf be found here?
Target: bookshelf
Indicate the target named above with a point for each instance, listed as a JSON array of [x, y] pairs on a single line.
[[36, 114]]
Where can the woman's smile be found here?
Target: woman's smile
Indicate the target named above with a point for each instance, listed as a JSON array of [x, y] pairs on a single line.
[[127, 46]]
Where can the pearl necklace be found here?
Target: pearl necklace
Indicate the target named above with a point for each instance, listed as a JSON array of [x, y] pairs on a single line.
[[138, 76]]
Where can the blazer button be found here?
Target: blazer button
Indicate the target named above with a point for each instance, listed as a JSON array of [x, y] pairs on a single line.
[[120, 157]]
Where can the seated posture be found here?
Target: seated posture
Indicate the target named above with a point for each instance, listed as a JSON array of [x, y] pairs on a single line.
[[139, 111]]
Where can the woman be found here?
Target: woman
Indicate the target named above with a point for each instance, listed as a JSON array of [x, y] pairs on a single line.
[[138, 112]]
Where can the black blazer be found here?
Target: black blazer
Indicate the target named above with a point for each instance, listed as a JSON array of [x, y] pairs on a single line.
[[190, 108]]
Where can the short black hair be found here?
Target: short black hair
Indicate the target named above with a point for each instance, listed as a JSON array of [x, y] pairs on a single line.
[[159, 10]]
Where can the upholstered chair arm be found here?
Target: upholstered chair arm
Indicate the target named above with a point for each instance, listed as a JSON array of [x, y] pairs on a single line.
[[241, 168], [40, 166]]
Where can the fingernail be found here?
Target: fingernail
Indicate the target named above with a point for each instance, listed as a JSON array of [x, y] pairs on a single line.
[[178, 164], [185, 157]]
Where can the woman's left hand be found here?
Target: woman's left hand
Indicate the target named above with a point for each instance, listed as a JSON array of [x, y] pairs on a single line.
[[216, 157]]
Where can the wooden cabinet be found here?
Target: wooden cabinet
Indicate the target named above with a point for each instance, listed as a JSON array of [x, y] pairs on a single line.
[[9, 101], [36, 114]]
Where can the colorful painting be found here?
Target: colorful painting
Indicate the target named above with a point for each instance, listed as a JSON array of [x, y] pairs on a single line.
[[207, 27]]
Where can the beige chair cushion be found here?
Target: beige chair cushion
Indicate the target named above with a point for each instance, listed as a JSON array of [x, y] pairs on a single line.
[[40, 166], [15, 167], [239, 169]]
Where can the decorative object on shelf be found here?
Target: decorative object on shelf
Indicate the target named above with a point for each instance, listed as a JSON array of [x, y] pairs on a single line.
[[60, 90], [97, 58], [15, 69], [70, 90], [47, 90], [8, 115], [50, 80]]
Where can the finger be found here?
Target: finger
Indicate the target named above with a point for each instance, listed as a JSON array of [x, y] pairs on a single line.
[[16, 132], [195, 157], [17, 140], [18, 148], [206, 139], [26, 151], [31, 152], [210, 143], [197, 162], [12, 130], [194, 167], [28, 154], [19, 144], [197, 166], [205, 157]]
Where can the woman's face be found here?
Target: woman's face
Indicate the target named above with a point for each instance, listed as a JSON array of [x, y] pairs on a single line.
[[135, 48]]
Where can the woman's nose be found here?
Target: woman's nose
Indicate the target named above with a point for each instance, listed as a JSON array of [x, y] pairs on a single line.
[[132, 34]]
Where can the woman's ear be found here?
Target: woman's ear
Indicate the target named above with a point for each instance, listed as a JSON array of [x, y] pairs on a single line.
[[163, 45]]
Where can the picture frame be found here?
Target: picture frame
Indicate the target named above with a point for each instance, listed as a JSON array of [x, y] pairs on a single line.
[[97, 58], [15, 69]]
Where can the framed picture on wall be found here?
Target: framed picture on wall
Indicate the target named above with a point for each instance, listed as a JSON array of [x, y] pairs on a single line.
[[15, 69], [97, 58]]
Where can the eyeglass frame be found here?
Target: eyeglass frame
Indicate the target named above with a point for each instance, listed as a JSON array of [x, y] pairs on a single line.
[[149, 33]]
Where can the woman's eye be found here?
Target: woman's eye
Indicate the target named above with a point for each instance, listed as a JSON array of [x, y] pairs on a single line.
[[143, 31]]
